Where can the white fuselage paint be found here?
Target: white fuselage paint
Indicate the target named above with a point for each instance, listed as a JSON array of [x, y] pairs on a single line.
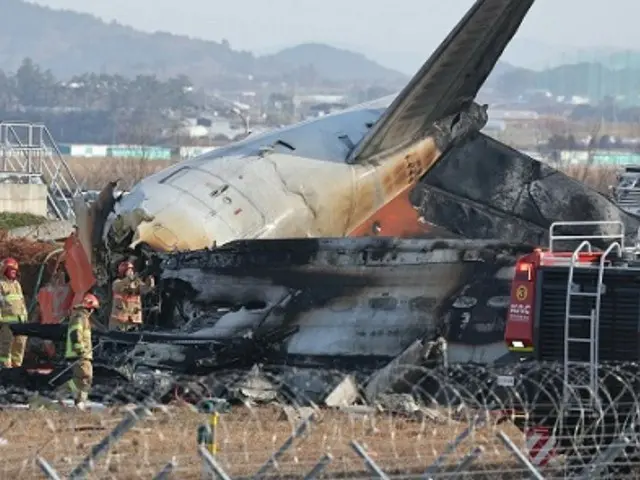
[[260, 188]]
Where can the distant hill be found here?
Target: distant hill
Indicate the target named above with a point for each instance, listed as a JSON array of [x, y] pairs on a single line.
[[592, 80], [541, 55], [71, 43], [334, 63]]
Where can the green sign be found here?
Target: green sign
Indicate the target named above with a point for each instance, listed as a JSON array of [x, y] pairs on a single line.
[[142, 152]]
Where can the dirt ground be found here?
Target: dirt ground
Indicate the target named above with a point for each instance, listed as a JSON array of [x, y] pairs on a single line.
[[246, 437]]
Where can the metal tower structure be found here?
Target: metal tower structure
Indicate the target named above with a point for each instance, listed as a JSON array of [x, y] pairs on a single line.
[[29, 153]]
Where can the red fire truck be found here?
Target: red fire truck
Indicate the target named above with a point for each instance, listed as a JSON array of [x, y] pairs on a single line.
[[579, 306], [574, 317]]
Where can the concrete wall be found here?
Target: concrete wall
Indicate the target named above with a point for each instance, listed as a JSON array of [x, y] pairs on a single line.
[[23, 198]]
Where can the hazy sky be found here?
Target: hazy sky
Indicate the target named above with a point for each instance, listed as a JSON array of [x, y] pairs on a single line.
[[396, 33]]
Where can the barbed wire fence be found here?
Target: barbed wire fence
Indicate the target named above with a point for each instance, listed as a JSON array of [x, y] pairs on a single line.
[[464, 421]]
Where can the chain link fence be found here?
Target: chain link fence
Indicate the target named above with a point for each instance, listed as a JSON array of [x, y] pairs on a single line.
[[459, 422]]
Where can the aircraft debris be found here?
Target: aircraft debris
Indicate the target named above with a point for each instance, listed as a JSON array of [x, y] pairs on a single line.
[[256, 387], [344, 394], [339, 296], [484, 189], [404, 370], [295, 415], [256, 305], [398, 403]]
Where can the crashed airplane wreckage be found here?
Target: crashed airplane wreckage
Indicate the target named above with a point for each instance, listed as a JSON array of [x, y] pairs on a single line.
[[413, 165], [338, 305], [327, 302]]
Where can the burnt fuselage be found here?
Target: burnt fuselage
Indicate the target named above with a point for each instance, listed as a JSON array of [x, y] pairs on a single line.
[[368, 297]]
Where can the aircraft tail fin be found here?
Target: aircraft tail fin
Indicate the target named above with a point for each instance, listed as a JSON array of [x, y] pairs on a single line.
[[450, 79]]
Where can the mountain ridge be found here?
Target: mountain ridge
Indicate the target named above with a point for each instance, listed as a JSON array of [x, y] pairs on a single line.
[[70, 43]]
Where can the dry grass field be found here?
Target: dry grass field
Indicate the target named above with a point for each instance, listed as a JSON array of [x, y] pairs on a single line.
[[95, 173], [246, 439], [599, 178]]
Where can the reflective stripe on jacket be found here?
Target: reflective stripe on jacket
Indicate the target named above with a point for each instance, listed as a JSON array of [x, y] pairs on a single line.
[[12, 305], [79, 336]]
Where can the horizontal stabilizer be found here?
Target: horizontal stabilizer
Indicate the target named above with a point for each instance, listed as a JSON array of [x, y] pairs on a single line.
[[449, 81]]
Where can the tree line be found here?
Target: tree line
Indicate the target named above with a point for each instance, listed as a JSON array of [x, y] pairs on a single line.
[[95, 107]]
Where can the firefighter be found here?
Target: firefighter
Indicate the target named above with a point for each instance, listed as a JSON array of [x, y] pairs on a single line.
[[79, 349], [126, 310], [12, 309]]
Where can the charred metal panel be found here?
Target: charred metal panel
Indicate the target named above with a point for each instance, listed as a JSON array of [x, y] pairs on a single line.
[[484, 189], [344, 297], [321, 302], [475, 318]]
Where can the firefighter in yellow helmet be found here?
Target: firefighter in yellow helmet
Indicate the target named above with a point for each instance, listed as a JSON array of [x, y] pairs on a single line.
[[128, 288], [80, 349], [12, 309]]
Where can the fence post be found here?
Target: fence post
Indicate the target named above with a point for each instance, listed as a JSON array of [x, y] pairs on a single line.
[[47, 469], [213, 425], [273, 459], [325, 460], [468, 460], [451, 446], [207, 434], [362, 453], [522, 458], [213, 466], [166, 471], [107, 442]]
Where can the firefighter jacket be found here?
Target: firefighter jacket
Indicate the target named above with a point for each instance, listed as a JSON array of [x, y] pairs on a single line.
[[12, 305], [127, 300], [79, 344]]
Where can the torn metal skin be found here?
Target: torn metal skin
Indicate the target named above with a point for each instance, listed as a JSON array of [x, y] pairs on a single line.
[[320, 301], [324, 301], [411, 165]]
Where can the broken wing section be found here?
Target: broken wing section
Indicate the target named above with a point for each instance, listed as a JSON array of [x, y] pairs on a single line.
[[484, 189], [449, 81]]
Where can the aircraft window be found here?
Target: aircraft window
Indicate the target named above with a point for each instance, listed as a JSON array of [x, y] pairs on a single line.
[[422, 304], [255, 305], [465, 302], [499, 302], [383, 303], [173, 175]]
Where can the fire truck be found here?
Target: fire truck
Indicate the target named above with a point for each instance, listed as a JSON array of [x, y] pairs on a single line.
[[574, 319]]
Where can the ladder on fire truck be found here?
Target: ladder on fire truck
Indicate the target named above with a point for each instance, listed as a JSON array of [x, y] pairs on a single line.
[[573, 320]]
